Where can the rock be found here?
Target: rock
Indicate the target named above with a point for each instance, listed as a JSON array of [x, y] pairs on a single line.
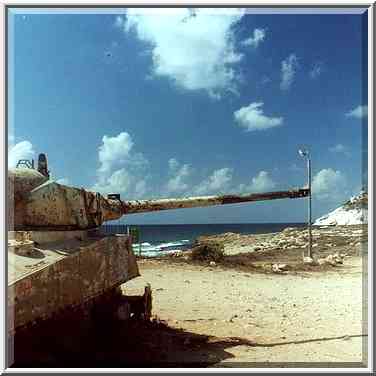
[[232, 318], [308, 260], [279, 268], [275, 268], [333, 260], [178, 253], [330, 260], [212, 263]]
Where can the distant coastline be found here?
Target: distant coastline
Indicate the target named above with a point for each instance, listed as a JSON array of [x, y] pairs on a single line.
[[156, 240]]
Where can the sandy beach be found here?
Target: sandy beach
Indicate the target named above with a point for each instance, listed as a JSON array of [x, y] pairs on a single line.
[[234, 313], [303, 317]]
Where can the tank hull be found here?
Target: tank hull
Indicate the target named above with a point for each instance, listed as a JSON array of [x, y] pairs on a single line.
[[52, 272]]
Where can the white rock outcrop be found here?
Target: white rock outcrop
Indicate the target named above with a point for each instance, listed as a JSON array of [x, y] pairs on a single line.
[[353, 212]]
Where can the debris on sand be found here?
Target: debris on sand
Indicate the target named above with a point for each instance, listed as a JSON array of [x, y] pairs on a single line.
[[308, 260], [279, 268], [334, 259]]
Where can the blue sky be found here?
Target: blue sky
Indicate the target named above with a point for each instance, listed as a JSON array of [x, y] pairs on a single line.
[[170, 103]]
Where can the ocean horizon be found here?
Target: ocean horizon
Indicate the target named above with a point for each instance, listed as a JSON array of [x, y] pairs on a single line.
[[163, 239]]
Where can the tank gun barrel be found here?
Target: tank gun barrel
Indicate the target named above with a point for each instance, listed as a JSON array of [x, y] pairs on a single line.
[[142, 206], [40, 203]]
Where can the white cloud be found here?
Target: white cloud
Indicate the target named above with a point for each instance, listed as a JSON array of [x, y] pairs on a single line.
[[119, 22], [173, 164], [316, 70], [120, 169], [262, 182], [256, 39], [340, 149], [329, 185], [289, 67], [114, 150], [179, 175], [21, 150], [195, 50], [252, 118], [218, 182], [358, 112]]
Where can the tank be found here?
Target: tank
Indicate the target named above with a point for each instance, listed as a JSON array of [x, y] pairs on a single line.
[[41, 204], [57, 259]]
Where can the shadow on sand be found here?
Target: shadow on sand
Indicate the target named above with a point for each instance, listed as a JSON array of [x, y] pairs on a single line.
[[130, 344]]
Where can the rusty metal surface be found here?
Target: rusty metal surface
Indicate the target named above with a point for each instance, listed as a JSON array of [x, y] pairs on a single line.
[[41, 204], [139, 206], [21, 181], [52, 205], [58, 277]]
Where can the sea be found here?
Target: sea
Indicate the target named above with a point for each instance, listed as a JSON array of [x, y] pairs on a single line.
[[160, 240]]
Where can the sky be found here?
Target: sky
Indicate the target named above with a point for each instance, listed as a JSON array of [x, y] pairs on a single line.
[[153, 103]]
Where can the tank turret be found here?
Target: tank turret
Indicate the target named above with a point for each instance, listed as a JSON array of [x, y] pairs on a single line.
[[41, 203]]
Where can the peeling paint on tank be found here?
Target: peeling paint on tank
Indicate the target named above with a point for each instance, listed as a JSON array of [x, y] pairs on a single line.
[[99, 266]]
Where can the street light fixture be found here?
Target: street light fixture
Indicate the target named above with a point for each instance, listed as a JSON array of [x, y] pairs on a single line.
[[305, 154]]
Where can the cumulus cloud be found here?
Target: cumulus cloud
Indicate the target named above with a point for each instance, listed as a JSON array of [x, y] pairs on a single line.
[[358, 112], [289, 67], [316, 70], [257, 37], [196, 50], [218, 182], [329, 185], [252, 118], [120, 169], [20, 150], [262, 182], [179, 175], [114, 150]]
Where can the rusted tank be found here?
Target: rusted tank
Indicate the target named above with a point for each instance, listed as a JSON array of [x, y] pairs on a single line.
[[41, 204], [57, 260]]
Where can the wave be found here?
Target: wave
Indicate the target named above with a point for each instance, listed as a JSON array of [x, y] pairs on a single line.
[[153, 250]]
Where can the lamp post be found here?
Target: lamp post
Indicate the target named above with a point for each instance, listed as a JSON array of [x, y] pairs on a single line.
[[305, 154]]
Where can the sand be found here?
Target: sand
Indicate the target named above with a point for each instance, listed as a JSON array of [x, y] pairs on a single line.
[[231, 314], [264, 318], [277, 313]]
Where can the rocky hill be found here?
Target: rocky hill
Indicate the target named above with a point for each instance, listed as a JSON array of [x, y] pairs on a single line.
[[352, 212]]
